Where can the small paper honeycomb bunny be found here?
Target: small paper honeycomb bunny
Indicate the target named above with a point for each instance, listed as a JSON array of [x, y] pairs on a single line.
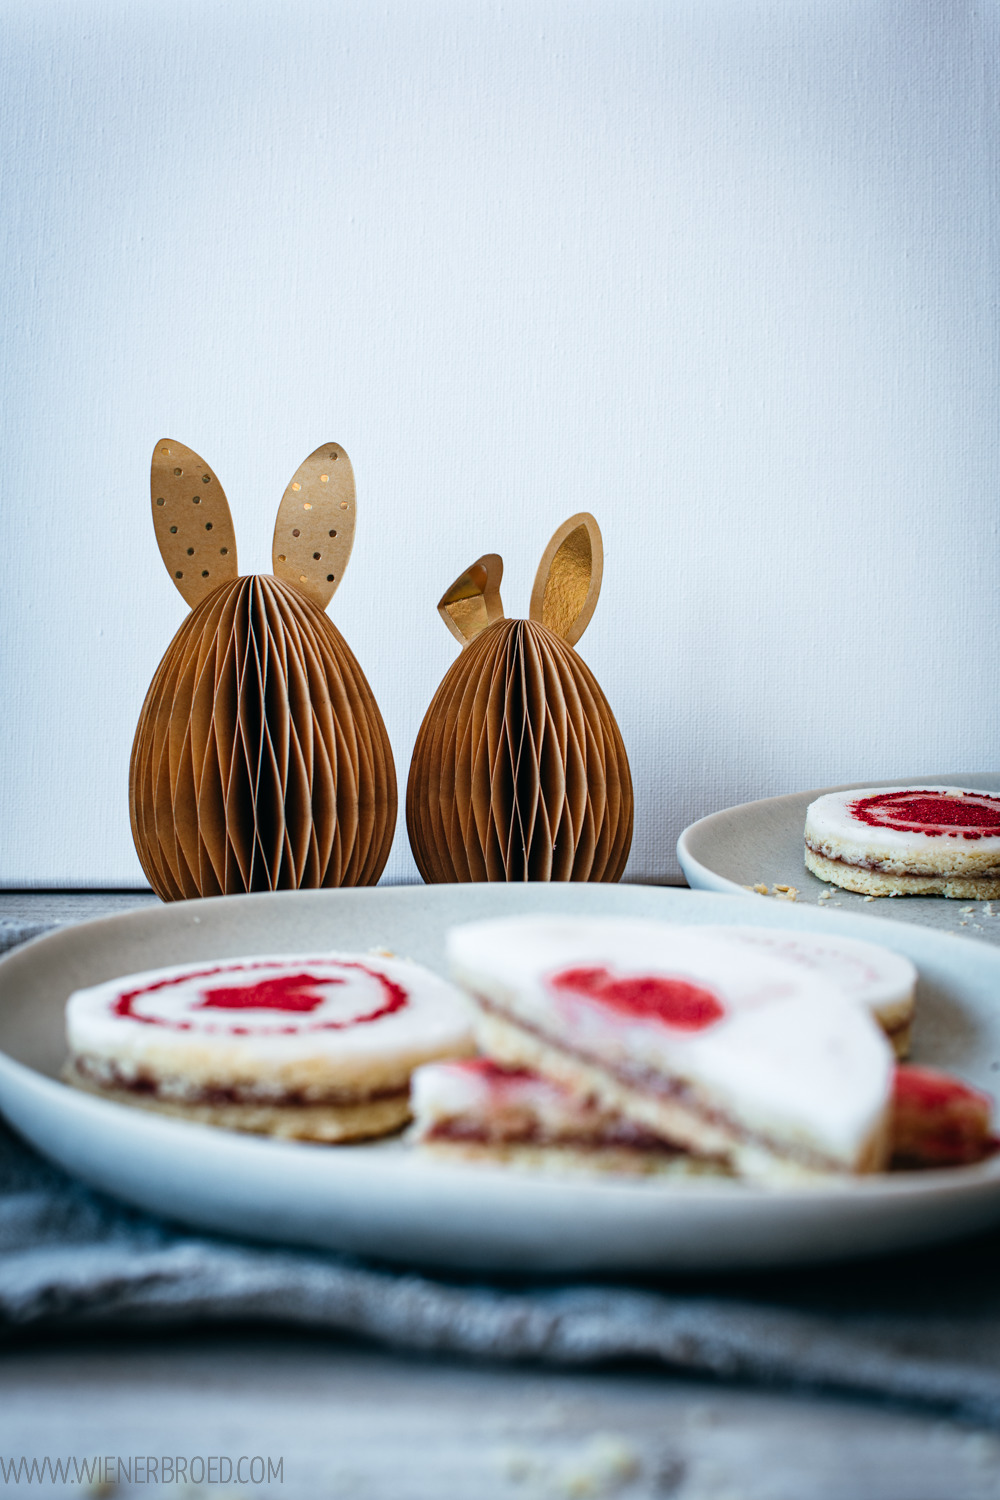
[[519, 771], [260, 760]]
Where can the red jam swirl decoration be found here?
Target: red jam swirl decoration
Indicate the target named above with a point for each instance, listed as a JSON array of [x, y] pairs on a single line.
[[969, 815], [671, 1000], [285, 992]]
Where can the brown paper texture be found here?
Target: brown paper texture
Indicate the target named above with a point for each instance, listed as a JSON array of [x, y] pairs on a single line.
[[194, 529], [519, 771], [260, 760], [314, 531]]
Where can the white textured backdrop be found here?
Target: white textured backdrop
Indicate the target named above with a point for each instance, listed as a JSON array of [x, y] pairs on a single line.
[[721, 271]]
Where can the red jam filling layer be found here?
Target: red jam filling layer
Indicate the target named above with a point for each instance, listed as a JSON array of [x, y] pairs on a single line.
[[672, 1001], [494, 1072], [967, 815], [284, 992]]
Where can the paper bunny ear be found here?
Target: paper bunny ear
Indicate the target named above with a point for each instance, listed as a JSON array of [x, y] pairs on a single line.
[[473, 601], [314, 530], [194, 529], [568, 580]]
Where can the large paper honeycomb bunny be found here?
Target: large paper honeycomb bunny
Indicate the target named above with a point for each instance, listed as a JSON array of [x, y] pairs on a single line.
[[260, 760], [519, 771]]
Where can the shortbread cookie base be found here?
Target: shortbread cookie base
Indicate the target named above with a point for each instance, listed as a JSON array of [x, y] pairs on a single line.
[[583, 1161], [675, 1119], [105, 1075], [899, 1038], [897, 1027], [881, 883], [329, 1123]]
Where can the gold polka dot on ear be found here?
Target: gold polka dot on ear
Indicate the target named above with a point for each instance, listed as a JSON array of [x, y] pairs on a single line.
[[191, 518], [314, 530]]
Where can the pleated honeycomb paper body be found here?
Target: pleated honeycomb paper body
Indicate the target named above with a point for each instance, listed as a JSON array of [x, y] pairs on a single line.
[[260, 760], [519, 771]]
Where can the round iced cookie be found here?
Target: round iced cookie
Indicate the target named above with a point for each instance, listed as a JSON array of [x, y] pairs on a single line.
[[313, 1047], [883, 981], [907, 841]]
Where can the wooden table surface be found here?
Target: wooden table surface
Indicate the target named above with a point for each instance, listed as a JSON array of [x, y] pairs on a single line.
[[350, 1421]]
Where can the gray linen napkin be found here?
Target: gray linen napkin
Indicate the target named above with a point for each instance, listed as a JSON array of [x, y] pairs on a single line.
[[920, 1328], [926, 1328]]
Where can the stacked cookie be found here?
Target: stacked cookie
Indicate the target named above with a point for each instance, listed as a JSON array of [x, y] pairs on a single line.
[[647, 1047], [607, 1045]]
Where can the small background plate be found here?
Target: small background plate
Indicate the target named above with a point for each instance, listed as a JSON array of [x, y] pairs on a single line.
[[761, 843], [384, 1199]]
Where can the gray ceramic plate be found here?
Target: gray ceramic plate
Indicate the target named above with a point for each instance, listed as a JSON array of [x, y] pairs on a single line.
[[761, 843], [385, 1199]]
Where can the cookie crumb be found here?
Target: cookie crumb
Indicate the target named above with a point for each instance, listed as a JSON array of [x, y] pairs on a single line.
[[786, 892], [761, 889], [607, 1464]]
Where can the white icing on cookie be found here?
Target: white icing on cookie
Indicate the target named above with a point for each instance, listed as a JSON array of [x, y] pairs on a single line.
[[342, 1017], [773, 1047], [883, 981]]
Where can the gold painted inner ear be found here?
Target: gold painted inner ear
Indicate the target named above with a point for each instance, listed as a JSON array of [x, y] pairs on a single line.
[[568, 582]]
